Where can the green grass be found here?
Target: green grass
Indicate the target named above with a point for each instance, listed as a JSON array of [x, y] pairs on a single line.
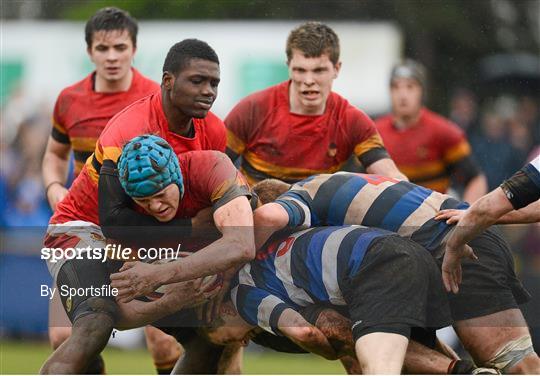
[[26, 358]]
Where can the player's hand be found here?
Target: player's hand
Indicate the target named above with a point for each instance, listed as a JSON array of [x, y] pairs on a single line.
[[451, 266], [452, 216], [187, 294], [135, 279], [209, 311], [55, 194]]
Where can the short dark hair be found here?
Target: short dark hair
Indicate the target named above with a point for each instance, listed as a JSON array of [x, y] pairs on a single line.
[[313, 39], [108, 19], [182, 52]]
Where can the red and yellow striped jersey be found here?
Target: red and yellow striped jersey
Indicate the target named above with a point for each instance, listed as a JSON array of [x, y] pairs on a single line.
[[81, 114], [425, 151], [274, 142]]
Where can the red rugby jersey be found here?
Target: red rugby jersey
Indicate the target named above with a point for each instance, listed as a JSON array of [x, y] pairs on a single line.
[[276, 143], [80, 113], [425, 151], [142, 117]]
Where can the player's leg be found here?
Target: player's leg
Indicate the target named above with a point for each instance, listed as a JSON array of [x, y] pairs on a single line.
[[488, 320], [381, 353], [59, 324], [165, 350], [500, 340]]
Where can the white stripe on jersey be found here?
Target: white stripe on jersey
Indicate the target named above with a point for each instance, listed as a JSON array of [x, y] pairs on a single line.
[[312, 186], [422, 214], [362, 202], [244, 276], [536, 163], [283, 272], [264, 311], [329, 262]]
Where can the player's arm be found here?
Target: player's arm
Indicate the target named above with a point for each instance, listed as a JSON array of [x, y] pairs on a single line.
[[528, 214], [236, 247], [292, 325], [176, 296], [268, 219], [54, 170], [386, 167]]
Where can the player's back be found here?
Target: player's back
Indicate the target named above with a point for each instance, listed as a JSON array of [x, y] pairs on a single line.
[[375, 201], [309, 266]]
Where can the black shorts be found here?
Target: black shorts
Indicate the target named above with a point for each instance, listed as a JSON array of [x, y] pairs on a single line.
[[490, 284], [84, 288], [398, 286]]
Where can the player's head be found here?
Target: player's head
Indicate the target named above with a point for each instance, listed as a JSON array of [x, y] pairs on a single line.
[[313, 60], [229, 327], [268, 190], [149, 172], [191, 77], [111, 40], [407, 88]]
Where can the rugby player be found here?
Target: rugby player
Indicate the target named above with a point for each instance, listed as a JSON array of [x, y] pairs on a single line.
[[179, 113], [426, 147], [300, 127], [80, 114], [486, 314], [349, 266], [517, 200]]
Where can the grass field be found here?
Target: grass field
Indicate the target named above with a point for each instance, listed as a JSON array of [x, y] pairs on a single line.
[[26, 358]]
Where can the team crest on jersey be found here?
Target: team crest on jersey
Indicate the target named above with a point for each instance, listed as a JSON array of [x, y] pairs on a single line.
[[97, 237], [69, 304], [332, 150], [422, 152]]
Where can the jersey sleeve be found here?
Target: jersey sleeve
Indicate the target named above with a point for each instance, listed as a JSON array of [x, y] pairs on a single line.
[[454, 144], [523, 188], [59, 131], [298, 207], [238, 123], [368, 144], [258, 307], [222, 182]]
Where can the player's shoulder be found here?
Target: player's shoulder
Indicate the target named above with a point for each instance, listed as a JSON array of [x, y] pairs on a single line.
[[436, 120], [212, 125], [144, 83], [384, 121], [81, 88], [274, 94], [201, 163]]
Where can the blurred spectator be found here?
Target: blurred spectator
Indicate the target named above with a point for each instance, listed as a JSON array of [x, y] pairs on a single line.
[[528, 113], [464, 110], [496, 156]]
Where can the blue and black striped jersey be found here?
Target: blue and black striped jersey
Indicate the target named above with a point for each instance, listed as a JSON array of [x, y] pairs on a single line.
[[304, 268], [370, 200]]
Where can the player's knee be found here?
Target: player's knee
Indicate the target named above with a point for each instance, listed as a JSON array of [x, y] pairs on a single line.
[[514, 355], [58, 334]]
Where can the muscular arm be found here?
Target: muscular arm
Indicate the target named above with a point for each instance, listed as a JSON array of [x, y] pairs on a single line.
[[268, 219], [482, 214], [54, 170], [297, 329], [237, 246], [528, 214], [386, 167]]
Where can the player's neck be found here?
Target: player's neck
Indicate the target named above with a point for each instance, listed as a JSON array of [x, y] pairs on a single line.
[[102, 85], [406, 121], [177, 121]]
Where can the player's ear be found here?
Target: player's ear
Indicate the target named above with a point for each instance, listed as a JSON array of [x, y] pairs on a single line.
[[89, 52], [167, 80], [337, 68]]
